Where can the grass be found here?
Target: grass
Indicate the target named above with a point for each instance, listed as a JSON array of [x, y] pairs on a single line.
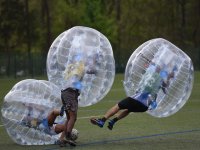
[[137, 131]]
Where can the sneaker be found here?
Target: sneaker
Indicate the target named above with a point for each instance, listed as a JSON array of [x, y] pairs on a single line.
[[110, 124], [97, 122]]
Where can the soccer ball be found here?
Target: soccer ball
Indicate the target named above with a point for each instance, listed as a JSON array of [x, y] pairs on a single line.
[[74, 134]]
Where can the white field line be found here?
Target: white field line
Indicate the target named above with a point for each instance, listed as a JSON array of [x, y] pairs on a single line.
[[87, 117]]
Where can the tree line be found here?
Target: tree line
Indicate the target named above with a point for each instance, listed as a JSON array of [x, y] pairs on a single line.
[[28, 27]]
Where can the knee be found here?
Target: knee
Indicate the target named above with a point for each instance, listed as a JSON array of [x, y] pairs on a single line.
[[116, 107], [127, 111], [55, 112]]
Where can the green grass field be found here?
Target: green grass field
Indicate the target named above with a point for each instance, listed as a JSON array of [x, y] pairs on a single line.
[[137, 131]]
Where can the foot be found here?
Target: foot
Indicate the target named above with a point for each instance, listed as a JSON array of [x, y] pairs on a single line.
[[97, 122], [110, 124]]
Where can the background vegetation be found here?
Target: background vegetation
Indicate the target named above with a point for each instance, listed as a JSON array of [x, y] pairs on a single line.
[[28, 27]]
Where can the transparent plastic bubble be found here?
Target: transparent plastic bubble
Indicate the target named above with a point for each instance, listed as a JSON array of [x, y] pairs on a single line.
[[25, 106], [82, 58], [162, 71]]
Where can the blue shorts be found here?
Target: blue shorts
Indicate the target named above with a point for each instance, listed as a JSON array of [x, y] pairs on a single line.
[[43, 126]]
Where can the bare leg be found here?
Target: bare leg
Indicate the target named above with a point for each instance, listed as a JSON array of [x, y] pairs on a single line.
[[119, 116], [123, 114], [100, 122], [59, 128], [62, 136], [112, 111], [69, 124], [52, 117]]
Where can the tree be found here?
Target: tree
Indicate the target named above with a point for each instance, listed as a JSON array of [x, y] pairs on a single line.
[[28, 37], [11, 27], [46, 24]]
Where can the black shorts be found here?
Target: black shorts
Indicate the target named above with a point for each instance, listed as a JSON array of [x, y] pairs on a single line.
[[70, 99], [132, 105]]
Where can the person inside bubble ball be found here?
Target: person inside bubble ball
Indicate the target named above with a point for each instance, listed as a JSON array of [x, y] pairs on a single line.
[[47, 124], [144, 99], [74, 72]]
